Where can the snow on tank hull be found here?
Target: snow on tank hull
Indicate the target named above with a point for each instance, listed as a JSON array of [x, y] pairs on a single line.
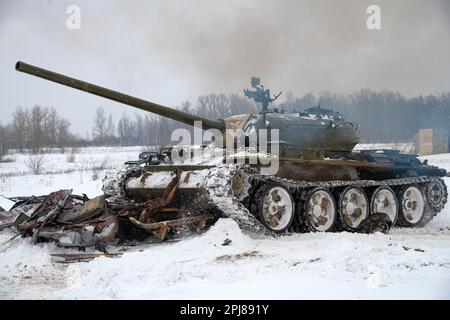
[[192, 194]]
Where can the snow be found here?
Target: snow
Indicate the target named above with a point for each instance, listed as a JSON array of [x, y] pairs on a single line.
[[407, 263], [403, 147], [162, 179], [84, 175], [85, 159]]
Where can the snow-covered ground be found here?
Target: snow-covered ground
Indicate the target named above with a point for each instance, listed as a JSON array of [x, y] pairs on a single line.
[[407, 263], [83, 175]]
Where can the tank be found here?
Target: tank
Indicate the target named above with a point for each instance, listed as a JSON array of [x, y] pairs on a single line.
[[320, 183]]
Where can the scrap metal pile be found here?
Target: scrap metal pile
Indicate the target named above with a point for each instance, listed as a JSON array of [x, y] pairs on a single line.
[[76, 221]]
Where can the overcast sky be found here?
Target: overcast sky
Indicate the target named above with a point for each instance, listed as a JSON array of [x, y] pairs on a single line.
[[171, 51]]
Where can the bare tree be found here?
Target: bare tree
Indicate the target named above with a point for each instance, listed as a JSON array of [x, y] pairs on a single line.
[[240, 105], [36, 163], [2, 142], [19, 123], [99, 131], [51, 126], [37, 124], [62, 131], [110, 130], [126, 130], [139, 129]]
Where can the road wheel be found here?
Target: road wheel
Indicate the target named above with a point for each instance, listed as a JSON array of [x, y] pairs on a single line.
[[412, 206], [275, 208], [353, 208], [319, 214], [385, 201]]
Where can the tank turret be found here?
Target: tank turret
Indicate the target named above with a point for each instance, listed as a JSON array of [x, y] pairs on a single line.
[[316, 131]]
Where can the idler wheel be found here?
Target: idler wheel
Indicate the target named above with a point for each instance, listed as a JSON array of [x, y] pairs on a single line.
[[276, 207], [385, 201], [240, 185], [353, 208], [436, 191], [319, 211]]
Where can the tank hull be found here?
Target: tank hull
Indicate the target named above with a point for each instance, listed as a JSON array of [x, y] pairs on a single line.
[[151, 182]]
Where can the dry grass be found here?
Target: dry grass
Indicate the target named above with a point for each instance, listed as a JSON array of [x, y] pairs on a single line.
[[36, 163]]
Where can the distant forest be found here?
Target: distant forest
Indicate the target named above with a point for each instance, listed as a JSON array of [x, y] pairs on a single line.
[[382, 117]]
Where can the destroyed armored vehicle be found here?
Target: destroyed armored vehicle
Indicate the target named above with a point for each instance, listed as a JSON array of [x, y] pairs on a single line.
[[319, 183]]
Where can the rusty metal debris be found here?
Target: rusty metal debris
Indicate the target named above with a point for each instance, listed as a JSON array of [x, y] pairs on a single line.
[[76, 221], [79, 257], [226, 242], [239, 256], [160, 229], [157, 204], [415, 249], [378, 222]]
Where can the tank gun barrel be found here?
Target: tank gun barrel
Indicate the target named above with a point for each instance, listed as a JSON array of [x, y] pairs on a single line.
[[119, 97]]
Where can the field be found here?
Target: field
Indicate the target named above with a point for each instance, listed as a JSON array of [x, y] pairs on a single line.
[[407, 263]]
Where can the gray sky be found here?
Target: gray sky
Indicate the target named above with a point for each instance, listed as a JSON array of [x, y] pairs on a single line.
[[171, 51]]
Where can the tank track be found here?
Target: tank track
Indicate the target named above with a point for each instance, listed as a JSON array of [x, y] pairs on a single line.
[[219, 186], [299, 188], [114, 182]]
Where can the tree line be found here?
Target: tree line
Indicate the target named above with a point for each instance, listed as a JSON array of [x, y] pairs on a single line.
[[35, 128], [384, 116]]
